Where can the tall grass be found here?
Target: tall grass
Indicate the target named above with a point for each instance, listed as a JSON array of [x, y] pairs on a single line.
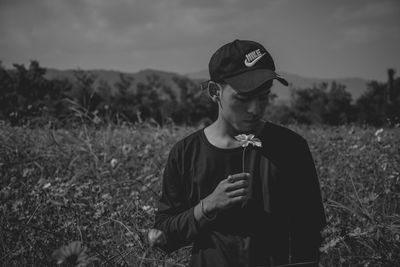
[[99, 186]]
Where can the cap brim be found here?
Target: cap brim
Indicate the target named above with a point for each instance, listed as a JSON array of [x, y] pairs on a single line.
[[250, 80]]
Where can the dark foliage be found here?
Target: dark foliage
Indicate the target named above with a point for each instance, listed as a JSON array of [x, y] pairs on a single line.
[[380, 104], [28, 97]]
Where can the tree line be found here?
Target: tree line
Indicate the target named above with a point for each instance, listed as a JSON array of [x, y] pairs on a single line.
[[28, 97], [331, 104]]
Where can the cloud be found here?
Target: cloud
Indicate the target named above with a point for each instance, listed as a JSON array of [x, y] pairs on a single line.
[[179, 35], [236, 4], [361, 33], [362, 22], [123, 24], [368, 10]]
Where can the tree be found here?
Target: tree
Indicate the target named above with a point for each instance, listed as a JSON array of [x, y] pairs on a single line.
[[392, 107], [84, 99], [123, 104], [23, 92], [279, 113], [371, 105], [8, 94], [327, 104], [338, 108], [309, 104]]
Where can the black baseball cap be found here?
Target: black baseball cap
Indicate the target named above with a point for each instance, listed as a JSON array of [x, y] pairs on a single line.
[[244, 65]]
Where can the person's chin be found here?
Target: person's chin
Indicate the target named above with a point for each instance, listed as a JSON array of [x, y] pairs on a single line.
[[248, 126]]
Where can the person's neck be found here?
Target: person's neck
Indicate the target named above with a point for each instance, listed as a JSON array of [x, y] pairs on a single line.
[[222, 134]]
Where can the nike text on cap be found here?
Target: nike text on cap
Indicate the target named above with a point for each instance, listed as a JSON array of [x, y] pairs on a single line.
[[244, 65]]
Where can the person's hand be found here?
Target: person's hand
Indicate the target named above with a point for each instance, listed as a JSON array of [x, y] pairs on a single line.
[[156, 237], [229, 192]]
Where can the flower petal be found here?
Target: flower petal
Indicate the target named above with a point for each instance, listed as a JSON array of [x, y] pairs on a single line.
[[257, 144], [240, 137]]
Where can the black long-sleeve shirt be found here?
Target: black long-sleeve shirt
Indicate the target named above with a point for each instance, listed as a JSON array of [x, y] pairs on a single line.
[[281, 221]]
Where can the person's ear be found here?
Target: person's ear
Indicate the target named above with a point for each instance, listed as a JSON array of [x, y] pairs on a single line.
[[214, 91]]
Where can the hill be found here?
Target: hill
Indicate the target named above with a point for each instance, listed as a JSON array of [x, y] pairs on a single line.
[[355, 86], [167, 79]]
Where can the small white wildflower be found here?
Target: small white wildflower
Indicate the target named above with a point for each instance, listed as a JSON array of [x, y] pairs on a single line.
[[378, 132], [126, 148], [148, 209], [96, 120], [72, 254], [245, 140], [134, 194], [113, 163]]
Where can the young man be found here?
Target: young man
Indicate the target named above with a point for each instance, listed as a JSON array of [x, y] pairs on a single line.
[[253, 206]]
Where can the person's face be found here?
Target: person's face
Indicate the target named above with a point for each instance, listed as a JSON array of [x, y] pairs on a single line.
[[243, 111]]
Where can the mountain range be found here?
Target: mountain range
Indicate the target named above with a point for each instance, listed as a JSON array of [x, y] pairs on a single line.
[[355, 86]]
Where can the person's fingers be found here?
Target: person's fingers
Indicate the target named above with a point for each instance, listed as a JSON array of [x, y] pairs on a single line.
[[238, 176], [239, 192], [237, 185], [156, 237], [238, 199]]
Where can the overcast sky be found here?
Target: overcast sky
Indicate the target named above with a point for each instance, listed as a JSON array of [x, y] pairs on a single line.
[[312, 38]]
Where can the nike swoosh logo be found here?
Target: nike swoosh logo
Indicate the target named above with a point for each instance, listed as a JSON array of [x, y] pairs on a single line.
[[251, 64]]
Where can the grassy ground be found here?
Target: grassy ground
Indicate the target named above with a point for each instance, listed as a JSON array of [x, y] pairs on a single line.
[[100, 187]]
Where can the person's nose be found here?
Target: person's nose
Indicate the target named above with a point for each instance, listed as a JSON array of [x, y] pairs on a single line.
[[254, 107]]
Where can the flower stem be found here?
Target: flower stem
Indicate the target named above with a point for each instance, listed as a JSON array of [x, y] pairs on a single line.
[[244, 149]]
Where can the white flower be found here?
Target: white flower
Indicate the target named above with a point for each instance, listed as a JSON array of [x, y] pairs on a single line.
[[113, 163], [245, 140], [72, 254], [126, 148], [148, 209], [378, 132], [96, 120]]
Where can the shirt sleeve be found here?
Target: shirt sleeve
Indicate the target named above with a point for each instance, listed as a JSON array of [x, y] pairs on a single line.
[[174, 215], [308, 215]]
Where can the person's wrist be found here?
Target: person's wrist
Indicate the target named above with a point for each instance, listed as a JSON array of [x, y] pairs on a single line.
[[209, 208], [206, 216]]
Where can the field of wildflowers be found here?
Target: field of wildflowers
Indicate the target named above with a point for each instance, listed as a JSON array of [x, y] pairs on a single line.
[[87, 196]]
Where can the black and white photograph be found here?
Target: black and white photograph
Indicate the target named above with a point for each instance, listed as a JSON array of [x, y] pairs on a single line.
[[224, 133]]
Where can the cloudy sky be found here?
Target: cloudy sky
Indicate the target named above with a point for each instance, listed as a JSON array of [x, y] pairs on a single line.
[[312, 38]]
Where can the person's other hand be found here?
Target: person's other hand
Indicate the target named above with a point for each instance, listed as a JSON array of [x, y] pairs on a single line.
[[229, 192], [156, 237]]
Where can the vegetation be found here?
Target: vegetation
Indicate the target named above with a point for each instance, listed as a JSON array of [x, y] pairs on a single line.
[[88, 195], [331, 104], [81, 163], [28, 97]]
